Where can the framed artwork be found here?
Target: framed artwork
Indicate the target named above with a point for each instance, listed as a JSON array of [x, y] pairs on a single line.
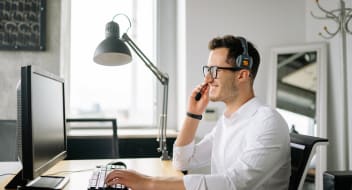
[[22, 25]]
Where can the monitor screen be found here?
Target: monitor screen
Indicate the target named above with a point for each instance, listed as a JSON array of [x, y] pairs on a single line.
[[48, 120], [41, 122]]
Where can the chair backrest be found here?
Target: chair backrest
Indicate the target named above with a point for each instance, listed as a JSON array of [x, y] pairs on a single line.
[[8, 140], [303, 148], [83, 123]]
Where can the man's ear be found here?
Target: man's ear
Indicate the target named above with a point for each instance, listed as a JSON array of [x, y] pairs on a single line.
[[244, 73]]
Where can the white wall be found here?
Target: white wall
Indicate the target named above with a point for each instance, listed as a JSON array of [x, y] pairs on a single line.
[[265, 23], [11, 61]]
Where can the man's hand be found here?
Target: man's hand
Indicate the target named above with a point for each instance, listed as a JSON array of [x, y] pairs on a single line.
[[198, 106], [138, 181], [129, 178]]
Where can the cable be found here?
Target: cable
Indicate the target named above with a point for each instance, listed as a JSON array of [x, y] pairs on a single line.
[[61, 172], [7, 174]]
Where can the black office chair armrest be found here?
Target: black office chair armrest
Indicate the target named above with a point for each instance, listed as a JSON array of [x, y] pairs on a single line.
[[302, 150]]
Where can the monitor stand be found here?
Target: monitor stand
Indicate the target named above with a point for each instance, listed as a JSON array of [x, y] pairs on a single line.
[[16, 181]]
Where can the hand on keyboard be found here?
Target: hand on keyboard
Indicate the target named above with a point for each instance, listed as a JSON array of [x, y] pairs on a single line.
[[97, 180]]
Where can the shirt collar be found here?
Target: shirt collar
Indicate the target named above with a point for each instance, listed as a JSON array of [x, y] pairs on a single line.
[[247, 109]]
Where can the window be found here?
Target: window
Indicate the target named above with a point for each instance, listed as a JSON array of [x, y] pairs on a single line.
[[124, 92], [301, 123]]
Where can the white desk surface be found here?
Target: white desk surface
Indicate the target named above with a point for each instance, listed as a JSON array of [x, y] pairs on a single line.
[[8, 168], [79, 171]]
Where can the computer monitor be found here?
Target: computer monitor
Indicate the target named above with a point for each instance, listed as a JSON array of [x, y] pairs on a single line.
[[41, 123]]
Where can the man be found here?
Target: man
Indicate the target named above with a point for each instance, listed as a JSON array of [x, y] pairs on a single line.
[[249, 146]]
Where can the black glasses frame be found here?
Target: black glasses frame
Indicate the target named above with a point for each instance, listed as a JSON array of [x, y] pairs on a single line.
[[213, 70]]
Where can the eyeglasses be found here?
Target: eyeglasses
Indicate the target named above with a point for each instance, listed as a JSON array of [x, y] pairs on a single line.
[[213, 70]]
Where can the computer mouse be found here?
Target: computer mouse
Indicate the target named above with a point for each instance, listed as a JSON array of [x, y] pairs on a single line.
[[118, 163]]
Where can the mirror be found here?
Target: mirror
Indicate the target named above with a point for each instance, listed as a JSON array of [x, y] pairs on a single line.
[[296, 84], [299, 90]]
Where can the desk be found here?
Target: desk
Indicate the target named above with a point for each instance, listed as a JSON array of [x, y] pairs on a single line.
[[8, 168], [79, 180]]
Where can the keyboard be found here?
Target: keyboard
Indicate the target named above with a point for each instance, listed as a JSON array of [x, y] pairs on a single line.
[[97, 180]]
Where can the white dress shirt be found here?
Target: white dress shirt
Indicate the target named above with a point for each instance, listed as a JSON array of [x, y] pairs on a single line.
[[248, 150]]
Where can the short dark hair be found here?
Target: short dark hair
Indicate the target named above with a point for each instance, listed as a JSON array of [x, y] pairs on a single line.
[[235, 49]]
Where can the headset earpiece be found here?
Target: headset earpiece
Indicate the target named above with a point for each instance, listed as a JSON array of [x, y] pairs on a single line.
[[244, 61]]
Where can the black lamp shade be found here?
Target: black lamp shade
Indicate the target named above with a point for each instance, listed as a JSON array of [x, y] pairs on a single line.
[[111, 52]]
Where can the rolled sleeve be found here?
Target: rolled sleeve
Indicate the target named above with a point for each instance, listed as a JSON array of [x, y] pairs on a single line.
[[182, 155], [193, 155]]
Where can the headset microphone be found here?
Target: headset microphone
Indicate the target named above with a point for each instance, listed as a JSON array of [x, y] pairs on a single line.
[[198, 96]]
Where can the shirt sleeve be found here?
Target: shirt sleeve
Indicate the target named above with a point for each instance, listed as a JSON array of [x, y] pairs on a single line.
[[193, 155], [265, 156]]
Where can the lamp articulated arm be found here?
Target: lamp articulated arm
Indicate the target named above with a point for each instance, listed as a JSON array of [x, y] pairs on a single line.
[[164, 80]]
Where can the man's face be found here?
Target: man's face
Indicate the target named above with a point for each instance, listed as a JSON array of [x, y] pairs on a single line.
[[223, 88]]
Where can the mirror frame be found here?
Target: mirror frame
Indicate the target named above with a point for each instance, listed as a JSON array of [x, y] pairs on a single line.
[[321, 96]]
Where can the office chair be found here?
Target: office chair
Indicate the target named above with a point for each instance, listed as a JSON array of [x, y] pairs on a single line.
[[8, 140], [303, 148], [114, 141]]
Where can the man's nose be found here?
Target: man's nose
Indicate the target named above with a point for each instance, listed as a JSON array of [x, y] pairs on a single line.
[[208, 78]]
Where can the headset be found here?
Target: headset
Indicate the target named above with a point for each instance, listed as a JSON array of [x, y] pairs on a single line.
[[244, 61]]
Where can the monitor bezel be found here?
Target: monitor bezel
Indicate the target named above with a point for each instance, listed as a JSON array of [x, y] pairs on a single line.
[[28, 170]]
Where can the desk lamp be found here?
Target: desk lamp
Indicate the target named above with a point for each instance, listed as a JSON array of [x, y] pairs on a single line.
[[113, 52]]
